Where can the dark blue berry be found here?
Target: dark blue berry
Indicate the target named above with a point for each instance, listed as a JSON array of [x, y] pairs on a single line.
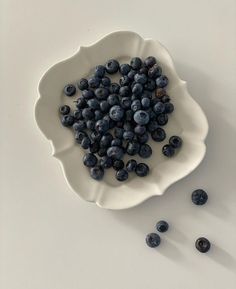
[[124, 80], [168, 151], [94, 147], [137, 89], [80, 125], [90, 124], [118, 165], [203, 245], [105, 81], [104, 106], [93, 103], [154, 71], [153, 240], [85, 143], [131, 74], [78, 114], [125, 68], [102, 126], [152, 126], [150, 85], [81, 102], [162, 119], [70, 90], [131, 165], [140, 78], [162, 226], [114, 88], [101, 93], [143, 70], [94, 82], [142, 170], [97, 173], [142, 139], [83, 84], [175, 141], [128, 135], [125, 102], [165, 99], [169, 107], [98, 114], [129, 115], [88, 93], [132, 148], [150, 61], [99, 71], [122, 175], [159, 107], [95, 136], [87, 113], [136, 63], [118, 132], [105, 162], [141, 117], [199, 197], [79, 136], [102, 152], [158, 134], [113, 99], [106, 140], [140, 129], [124, 91], [136, 105], [145, 102], [116, 113], [145, 151], [90, 160], [116, 142], [154, 101], [112, 66], [64, 109], [162, 81], [115, 152], [67, 120]]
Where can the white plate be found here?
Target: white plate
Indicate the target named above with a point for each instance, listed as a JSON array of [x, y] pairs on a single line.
[[187, 121]]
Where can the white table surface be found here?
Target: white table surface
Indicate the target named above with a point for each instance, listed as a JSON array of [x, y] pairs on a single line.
[[49, 237]]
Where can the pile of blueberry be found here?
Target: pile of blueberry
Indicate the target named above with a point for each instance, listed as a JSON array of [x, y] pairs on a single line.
[[202, 244], [113, 119]]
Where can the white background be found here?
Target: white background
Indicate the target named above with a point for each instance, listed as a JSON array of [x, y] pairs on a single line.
[[51, 239]]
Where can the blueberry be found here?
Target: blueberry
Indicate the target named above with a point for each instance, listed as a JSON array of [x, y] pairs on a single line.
[[105, 81], [125, 102], [81, 102], [79, 125], [116, 142], [124, 80], [165, 99], [169, 107], [106, 140], [162, 226], [94, 147], [159, 107], [140, 78], [101, 93], [131, 165], [105, 162], [102, 152], [137, 89], [112, 66], [99, 71], [79, 136], [98, 114], [162, 119], [78, 114], [88, 93], [145, 151], [90, 124], [136, 63], [128, 135], [70, 90], [67, 120], [114, 88], [129, 115], [97, 173], [113, 99], [151, 113], [142, 170], [115, 152], [124, 91], [83, 84], [87, 113], [145, 102], [140, 129], [118, 165], [150, 61], [142, 139], [85, 143], [141, 117], [153, 240], [93, 103], [199, 197], [150, 85], [136, 105], [132, 148], [131, 74], [90, 160], [116, 113], [143, 70], [102, 125], [125, 68], [162, 81], [118, 132], [203, 245], [64, 109], [104, 106], [122, 175], [160, 92], [154, 71], [94, 82], [158, 134], [154, 101], [168, 150], [175, 141], [152, 126], [95, 136]]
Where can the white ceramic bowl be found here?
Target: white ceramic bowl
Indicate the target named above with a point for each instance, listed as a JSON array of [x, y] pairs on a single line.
[[187, 121]]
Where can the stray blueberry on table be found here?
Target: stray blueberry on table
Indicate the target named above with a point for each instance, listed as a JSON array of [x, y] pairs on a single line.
[[203, 245], [64, 109], [162, 119], [122, 175], [131, 165], [142, 170], [70, 90], [105, 81], [153, 240], [158, 134], [90, 160], [83, 84], [168, 151], [67, 120], [112, 66], [118, 165], [97, 173], [162, 226], [114, 88], [150, 61], [199, 197], [175, 141]]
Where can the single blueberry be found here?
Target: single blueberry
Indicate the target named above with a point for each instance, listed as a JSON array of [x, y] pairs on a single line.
[[114, 88], [67, 120], [116, 142], [131, 165], [124, 91], [101, 93], [118, 132], [95, 136], [159, 107], [100, 71], [104, 106], [150, 61], [85, 143], [122, 175], [168, 151], [83, 84], [94, 147], [78, 114], [79, 125], [154, 71], [175, 141], [113, 99], [125, 102], [162, 226], [140, 78], [94, 82], [162, 81], [116, 113], [203, 245], [98, 114], [105, 162], [124, 80], [88, 93], [132, 148], [140, 129], [142, 170], [131, 74], [112, 66], [90, 160], [141, 117], [105, 81], [128, 135], [64, 109], [90, 124], [152, 126], [199, 197], [97, 173], [70, 90], [150, 85], [79, 136], [106, 140], [81, 102], [87, 113], [145, 102], [142, 139], [162, 119], [153, 240], [158, 134], [145, 151], [93, 103], [165, 99], [115, 152], [137, 89], [169, 107], [143, 70], [125, 68], [118, 165], [102, 125], [136, 105], [102, 152], [136, 63]]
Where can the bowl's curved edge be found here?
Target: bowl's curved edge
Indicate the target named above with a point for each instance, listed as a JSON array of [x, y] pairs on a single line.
[[98, 201]]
